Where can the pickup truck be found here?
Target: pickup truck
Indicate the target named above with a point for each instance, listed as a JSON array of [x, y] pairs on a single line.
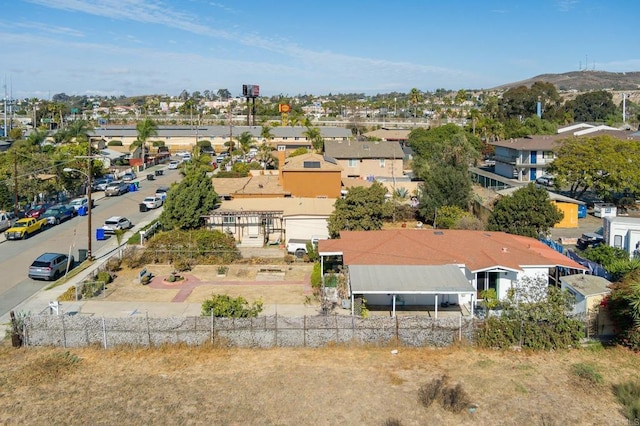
[[298, 247], [25, 227], [5, 221]]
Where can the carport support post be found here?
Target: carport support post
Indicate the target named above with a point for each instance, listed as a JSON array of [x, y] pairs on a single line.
[[393, 312], [352, 302], [436, 306]]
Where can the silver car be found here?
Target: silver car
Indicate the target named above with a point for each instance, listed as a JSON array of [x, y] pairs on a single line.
[[50, 266]]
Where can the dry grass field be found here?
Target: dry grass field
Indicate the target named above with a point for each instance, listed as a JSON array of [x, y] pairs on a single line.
[[335, 385]]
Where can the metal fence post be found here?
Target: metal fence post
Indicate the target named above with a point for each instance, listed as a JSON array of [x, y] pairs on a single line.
[[104, 334], [275, 331], [148, 330], [212, 327], [304, 332], [64, 332]]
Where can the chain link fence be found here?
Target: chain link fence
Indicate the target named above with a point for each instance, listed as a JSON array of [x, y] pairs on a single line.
[[261, 332]]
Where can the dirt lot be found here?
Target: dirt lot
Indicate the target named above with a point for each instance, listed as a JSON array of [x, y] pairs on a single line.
[[273, 283], [339, 385]]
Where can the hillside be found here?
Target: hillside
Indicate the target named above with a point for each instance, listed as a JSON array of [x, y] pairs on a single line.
[[334, 385], [584, 81]]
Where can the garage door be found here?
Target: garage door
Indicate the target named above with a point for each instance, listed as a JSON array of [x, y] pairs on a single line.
[[304, 229]]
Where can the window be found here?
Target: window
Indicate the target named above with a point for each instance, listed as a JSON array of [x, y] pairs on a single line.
[[353, 162], [617, 241], [228, 220], [548, 155], [486, 281], [382, 163]]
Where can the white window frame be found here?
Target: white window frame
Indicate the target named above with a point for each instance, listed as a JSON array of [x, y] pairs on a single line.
[[382, 163], [353, 162]]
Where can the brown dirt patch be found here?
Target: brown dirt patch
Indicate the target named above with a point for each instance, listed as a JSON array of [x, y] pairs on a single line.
[[274, 284], [339, 385]]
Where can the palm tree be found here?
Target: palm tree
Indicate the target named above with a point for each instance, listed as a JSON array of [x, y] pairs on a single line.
[[37, 137], [265, 155], [415, 97], [78, 130], [145, 129], [245, 140], [313, 134]]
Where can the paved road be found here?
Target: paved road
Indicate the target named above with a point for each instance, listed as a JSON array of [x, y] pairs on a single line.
[[68, 237]]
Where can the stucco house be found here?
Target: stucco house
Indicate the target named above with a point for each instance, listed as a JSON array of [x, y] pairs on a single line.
[[524, 159], [259, 221], [310, 175], [429, 267], [367, 159]]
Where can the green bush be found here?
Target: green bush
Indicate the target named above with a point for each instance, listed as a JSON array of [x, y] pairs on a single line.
[[200, 246], [114, 142], [316, 276], [225, 306], [587, 373], [628, 395], [104, 277]]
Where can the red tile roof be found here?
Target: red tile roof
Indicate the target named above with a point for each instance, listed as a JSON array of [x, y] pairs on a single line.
[[477, 250]]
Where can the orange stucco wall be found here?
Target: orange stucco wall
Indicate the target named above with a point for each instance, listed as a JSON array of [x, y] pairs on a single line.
[[312, 184], [570, 211]]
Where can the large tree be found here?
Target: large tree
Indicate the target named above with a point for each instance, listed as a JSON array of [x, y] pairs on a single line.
[[527, 212], [188, 201], [602, 163], [444, 185], [594, 106], [146, 128], [362, 209], [313, 134]]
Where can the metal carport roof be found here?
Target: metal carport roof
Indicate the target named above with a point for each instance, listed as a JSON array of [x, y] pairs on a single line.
[[408, 279]]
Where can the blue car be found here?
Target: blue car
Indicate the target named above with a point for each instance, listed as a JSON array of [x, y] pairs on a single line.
[[58, 214]]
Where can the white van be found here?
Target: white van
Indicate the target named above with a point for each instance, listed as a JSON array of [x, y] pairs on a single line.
[[5, 221]]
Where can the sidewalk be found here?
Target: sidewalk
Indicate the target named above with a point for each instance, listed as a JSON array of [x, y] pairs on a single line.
[[39, 302]]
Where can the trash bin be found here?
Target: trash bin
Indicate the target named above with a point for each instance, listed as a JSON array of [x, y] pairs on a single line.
[[82, 211], [132, 187], [158, 172], [143, 207], [100, 234], [82, 255], [151, 177], [137, 184]]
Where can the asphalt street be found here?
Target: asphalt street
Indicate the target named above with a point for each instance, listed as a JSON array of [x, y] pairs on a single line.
[[16, 256]]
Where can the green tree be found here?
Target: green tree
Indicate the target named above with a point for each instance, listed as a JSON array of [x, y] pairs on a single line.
[[78, 131], [444, 185], [527, 212], [244, 141], [601, 163], [362, 209], [313, 134], [596, 106], [623, 305], [146, 128], [605, 255], [188, 201], [449, 216]]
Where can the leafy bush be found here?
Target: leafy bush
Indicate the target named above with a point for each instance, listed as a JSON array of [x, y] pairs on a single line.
[[104, 277], [628, 395], [587, 373], [222, 270], [316, 276], [225, 306], [623, 305], [182, 265], [535, 316], [114, 143]]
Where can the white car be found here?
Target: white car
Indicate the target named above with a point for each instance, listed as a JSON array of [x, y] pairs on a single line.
[[153, 202], [173, 164], [76, 203], [115, 223]]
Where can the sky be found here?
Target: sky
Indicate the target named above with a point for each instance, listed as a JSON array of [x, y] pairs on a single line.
[[144, 47]]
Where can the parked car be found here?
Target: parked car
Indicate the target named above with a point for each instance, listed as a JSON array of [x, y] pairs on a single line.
[[545, 180], [50, 266], [76, 203], [25, 227], [153, 202], [128, 177], [58, 214], [162, 192], [101, 184], [589, 239], [116, 188], [5, 220], [173, 164], [115, 223], [37, 211]]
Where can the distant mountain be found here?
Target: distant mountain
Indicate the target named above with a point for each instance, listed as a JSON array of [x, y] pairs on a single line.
[[584, 81]]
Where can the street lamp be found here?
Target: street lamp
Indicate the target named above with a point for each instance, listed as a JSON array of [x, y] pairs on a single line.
[[89, 204]]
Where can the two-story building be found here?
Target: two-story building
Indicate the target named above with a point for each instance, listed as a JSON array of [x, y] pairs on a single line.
[[367, 159], [525, 159]]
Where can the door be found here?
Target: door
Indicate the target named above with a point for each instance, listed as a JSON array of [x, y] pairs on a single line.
[[534, 157], [253, 226], [532, 174]]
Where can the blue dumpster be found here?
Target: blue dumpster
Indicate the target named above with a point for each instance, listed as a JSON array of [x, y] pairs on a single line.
[[582, 211], [100, 234], [82, 211]]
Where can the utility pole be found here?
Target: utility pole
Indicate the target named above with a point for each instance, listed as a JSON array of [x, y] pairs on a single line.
[[15, 183]]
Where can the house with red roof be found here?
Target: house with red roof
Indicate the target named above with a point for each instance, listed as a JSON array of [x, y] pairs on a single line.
[[432, 267]]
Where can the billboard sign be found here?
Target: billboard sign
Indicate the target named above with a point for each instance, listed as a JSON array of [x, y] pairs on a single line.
[[250, 90]]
